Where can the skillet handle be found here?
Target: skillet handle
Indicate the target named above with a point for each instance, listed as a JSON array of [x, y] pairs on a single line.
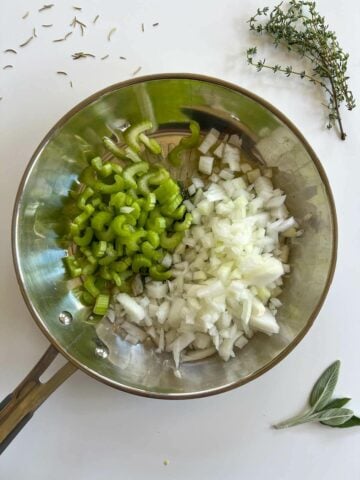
[[18, 407]]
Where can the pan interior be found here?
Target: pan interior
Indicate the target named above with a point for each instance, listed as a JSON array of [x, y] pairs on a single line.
[[168, 102]]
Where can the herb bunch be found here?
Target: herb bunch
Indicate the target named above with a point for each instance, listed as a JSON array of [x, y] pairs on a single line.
[[323, 408], [301, 29]]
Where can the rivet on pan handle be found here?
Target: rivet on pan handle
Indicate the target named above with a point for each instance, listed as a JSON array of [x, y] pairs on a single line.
[[18, 407]]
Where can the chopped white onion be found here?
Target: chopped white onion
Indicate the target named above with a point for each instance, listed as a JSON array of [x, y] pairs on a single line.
[[137, 285], [189, 206], [134, 331], [227, 271], [232, 157], [157, 290], [226, 174], [209, 141], [235, 140], [265, 323], [192, 190], [206, 164], [167, 260], [135, 312], [197, 182], [219, 150], [194, 355]]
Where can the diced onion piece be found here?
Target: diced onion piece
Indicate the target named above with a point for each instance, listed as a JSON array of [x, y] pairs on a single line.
[[232, 157], [180, 344], [163, 312], [215, 193], [219, 150], [290, 233], [226, 174], [206, 164], [209, 141], [245, 168], [252, 175], [275, 202], [167, 260], [131, 307], [226, 348], [156, 289], [111, 315], [214, 288], [201, 341], [214, 177], [194, 355], [235, 140], [241, 342], [265, 323], [198, 276], [137, 285], [189, 206], [197, 182], [192, 190], [262, 271], [134, 331]]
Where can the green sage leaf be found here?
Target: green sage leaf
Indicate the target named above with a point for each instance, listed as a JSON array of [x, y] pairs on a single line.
[[333, 417], [336, 403], [324, 387], [353, 422], [327, 411]]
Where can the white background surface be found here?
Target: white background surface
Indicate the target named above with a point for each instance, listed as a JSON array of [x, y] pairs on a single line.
[[87, 430]]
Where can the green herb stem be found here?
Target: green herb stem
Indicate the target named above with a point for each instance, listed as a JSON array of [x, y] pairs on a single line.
[[301, 29]]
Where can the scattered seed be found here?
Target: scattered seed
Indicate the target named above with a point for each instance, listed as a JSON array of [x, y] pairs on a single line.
[[96, 18], [10, 50], [61, 73], [78, 55], [68, 35], [77, 8], [46, 7], [47, 25], [136, 71], [26, 42], [155, 24], [8, 66], [142, 27], [112, 31], [34, 33], [104, 58], [166, 462], [122, 58], [71, 84], [25, 16]]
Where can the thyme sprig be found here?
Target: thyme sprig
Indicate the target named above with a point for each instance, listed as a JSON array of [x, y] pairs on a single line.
[[301, 29]]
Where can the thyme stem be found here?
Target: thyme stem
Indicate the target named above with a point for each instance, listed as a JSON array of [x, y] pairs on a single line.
[[300, 28]]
